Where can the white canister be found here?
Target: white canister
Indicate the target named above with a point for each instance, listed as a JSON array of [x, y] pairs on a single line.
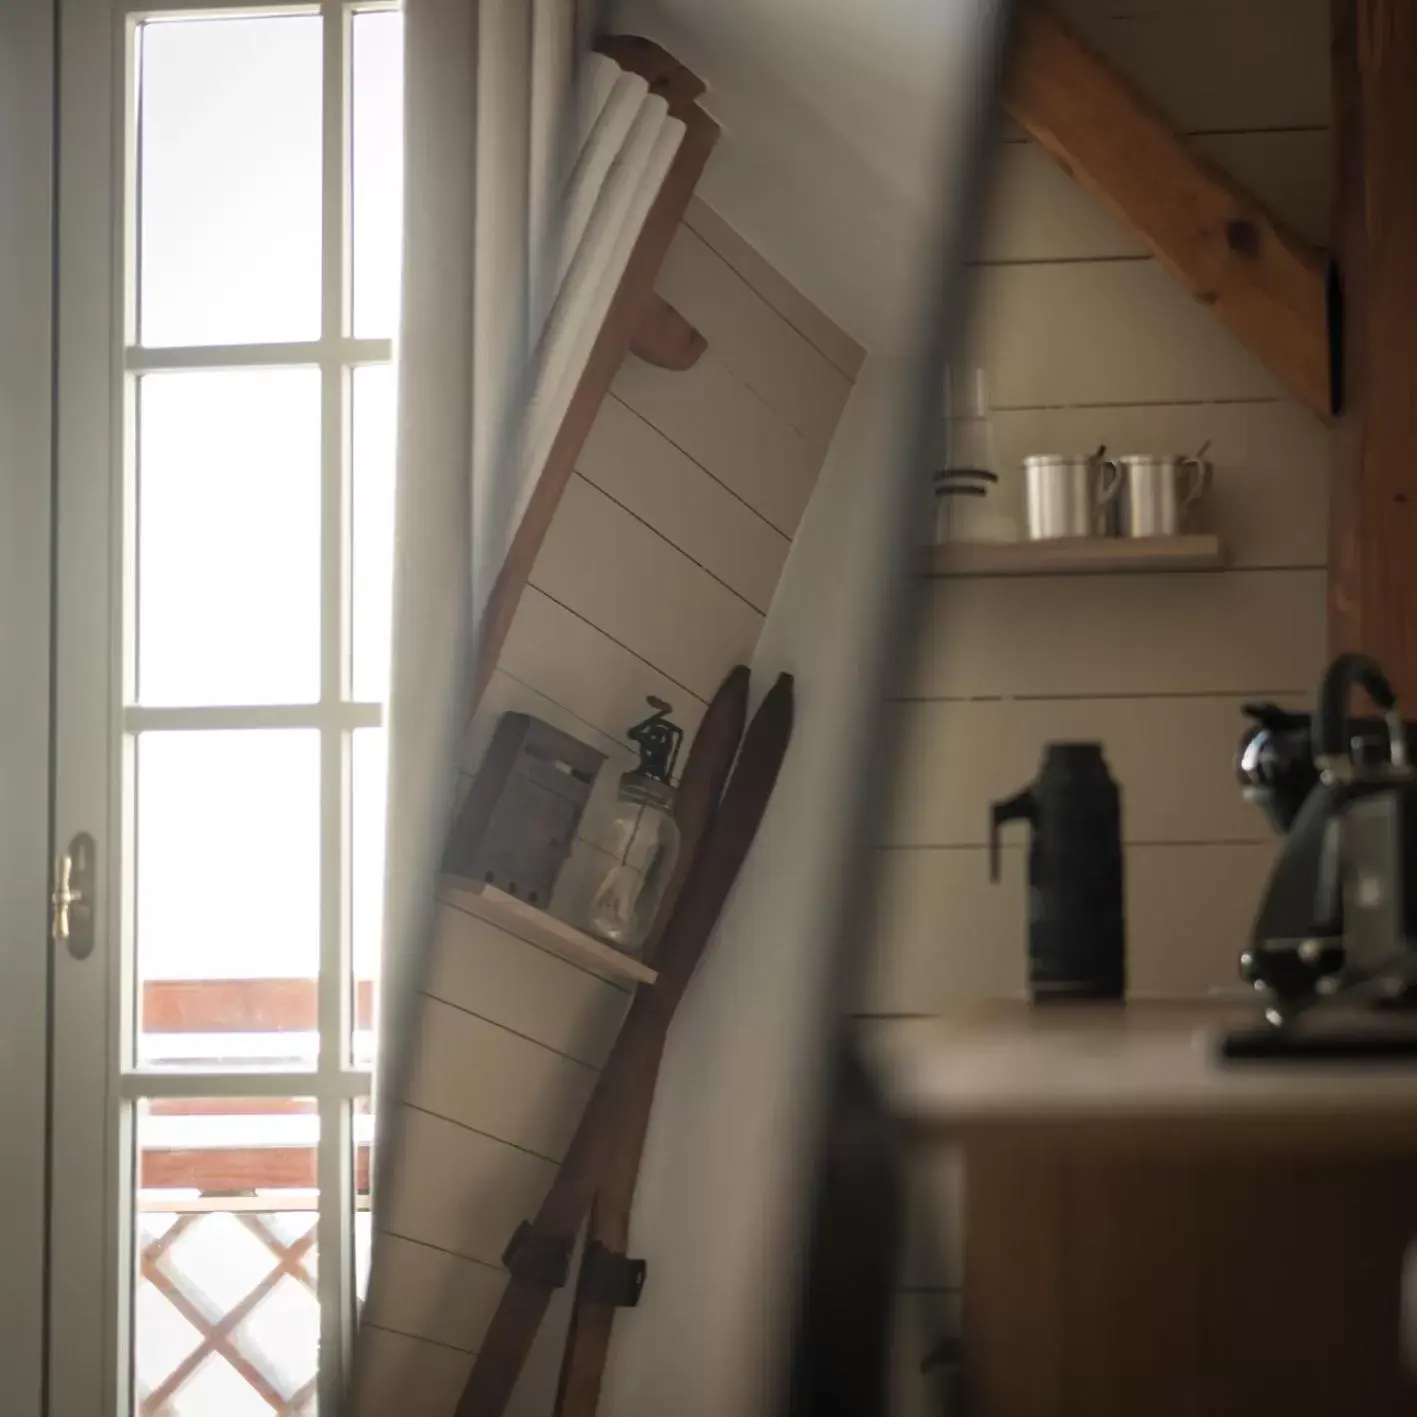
[[968, 508]]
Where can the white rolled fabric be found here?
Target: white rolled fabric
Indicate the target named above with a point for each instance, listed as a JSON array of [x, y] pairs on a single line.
[[612, 103], [501, 273], [592, 277], [549, 149], [560, 205]]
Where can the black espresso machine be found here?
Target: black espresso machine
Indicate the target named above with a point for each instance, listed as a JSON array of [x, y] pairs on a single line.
[[1333, 950]]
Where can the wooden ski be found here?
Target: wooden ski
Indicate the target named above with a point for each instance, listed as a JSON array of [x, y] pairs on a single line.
[[701, 786], [697, 801], [607, 1233], [538, 1255]]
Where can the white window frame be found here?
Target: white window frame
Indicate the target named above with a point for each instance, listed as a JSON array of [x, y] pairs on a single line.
[[97, 1081]]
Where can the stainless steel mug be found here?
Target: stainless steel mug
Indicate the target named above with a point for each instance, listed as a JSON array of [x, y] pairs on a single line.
[[1161, 492], [1070, 494]]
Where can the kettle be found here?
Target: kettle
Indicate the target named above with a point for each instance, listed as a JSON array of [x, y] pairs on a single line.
[[1371, 865], [1076, 922], [1340, 909]]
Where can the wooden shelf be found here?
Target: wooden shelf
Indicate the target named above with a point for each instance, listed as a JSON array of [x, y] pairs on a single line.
[[539, 928], [1079, 556], [1149, 1071]]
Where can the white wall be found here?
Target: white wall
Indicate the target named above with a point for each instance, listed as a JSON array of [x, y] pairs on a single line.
[[1086, 340], [838, 122], [719, 1199], [654, 579]]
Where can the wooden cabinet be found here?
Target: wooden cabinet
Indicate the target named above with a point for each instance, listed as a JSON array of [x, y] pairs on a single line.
[[1149, 1233], [1125, 1284]]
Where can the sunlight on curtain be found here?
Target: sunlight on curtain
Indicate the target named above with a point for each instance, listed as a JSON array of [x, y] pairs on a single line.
[[524, 197]]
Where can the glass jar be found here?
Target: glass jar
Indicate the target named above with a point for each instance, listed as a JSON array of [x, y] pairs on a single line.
[[646, 839], [970, 449], [970, 502]]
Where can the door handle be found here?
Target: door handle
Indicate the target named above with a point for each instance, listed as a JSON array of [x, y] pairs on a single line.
[[71, 916]]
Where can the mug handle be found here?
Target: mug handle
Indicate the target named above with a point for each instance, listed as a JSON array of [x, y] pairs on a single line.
[[1108, 490], [1201, 472]]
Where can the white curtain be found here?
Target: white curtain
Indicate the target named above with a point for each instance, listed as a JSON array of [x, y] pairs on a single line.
[[560, 205], [524, 195]]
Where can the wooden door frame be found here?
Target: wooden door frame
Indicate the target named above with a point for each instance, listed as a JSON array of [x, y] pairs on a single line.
[[1372, 583]]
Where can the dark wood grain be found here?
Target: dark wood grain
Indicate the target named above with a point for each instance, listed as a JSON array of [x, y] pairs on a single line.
[[1372, 599], [1210, 1285], [1230, 253], [700, 789], [588, 1337], [1014, 1293]]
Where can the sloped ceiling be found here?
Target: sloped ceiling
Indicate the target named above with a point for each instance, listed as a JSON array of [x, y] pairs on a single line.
[[839, 118]]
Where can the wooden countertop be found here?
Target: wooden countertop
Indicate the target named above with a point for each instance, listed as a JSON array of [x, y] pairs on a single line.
[[1130, 1072]]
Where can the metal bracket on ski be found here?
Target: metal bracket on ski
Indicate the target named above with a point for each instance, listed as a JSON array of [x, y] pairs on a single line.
[[610, 1279], [542, 1260]]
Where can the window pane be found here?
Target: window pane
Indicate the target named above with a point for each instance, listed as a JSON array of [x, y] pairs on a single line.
[[229, 537], [374, 426], [369, 800], [229, 169], [226, 1318], [376, 176], [363, 1217], [228, 910]]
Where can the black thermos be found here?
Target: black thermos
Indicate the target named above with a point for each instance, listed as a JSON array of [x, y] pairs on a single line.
[[1077, 946]]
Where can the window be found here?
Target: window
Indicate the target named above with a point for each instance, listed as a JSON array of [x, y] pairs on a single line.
[[262, 218]]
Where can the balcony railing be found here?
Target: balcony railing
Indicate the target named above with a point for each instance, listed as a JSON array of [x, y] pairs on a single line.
[[227, 1317]]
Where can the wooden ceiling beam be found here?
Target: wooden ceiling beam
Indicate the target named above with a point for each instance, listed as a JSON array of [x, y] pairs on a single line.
[[1266, 284]]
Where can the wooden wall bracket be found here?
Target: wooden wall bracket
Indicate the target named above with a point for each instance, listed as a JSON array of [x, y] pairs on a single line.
[[666, 339], [1268, 286]]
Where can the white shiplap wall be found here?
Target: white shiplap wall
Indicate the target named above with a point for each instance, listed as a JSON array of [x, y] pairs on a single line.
[[1085, 341], [654, 579]]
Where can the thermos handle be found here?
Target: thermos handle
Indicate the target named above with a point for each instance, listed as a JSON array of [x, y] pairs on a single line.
[[1331, 719], [1023, 806]]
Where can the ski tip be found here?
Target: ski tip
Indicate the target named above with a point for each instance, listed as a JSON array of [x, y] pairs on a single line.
[[734, 688], [779, 703]]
